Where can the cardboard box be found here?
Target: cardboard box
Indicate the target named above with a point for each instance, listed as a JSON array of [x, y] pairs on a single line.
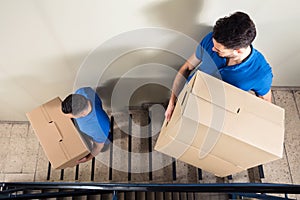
[[59, 138], [222, 129]]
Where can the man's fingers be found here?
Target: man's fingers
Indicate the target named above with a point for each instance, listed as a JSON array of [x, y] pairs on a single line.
[[81, 160], [168, 115]]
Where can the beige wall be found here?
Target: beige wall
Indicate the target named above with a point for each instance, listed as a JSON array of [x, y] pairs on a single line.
[[45, 44]]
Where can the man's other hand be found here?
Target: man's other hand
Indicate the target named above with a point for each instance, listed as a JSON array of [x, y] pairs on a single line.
[[85, 159]]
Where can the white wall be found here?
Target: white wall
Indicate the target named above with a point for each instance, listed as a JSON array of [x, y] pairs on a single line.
[[44, 43]]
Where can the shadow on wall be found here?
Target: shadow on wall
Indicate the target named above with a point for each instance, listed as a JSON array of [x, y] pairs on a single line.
[[122, 83], [179, 15], [124, 93]]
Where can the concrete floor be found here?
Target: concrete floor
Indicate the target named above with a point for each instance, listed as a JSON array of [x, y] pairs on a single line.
[[22, 158]]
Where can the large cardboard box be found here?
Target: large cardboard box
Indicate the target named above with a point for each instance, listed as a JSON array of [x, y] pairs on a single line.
[[59, 138], [222, 129]]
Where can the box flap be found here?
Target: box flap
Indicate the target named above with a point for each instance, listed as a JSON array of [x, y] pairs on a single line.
[[234, 99], [244, 126], [55, 132], [216, 91], [251, 129], [265, 110]]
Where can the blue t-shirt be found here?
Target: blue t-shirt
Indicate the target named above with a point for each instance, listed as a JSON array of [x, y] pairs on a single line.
[[96, 124], [254, 73]]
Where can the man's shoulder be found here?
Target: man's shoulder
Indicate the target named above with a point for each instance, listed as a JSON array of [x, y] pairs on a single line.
[[206, 43], [209, 35], [258, 55], [84, 90], [260, 66], [260, 62], [207, 38]]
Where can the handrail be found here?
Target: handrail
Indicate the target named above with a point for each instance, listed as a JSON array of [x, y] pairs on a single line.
[[211, 187], [22, 190]]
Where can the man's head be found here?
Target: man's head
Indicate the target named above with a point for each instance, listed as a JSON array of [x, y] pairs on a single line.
[[75, 106], [234, 32]]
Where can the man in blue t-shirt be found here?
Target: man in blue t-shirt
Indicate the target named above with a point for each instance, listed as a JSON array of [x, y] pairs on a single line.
[[227, 54], [85, 107]]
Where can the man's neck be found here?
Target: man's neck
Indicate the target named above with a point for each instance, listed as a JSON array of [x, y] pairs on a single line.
[[243, 55]]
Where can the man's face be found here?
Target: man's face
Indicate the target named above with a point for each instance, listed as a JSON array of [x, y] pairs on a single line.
[[222, 51]]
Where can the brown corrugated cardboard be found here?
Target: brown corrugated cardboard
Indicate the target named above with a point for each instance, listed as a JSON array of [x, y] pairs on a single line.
[[222, 129], [59, 138]]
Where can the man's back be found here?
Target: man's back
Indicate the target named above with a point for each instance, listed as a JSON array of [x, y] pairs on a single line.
[[96, 124]]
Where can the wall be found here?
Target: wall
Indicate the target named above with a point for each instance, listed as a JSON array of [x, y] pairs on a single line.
[[50, 47]]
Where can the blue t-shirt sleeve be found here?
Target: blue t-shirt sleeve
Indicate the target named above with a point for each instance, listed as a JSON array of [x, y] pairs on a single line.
[[203, 45], [263, 87]]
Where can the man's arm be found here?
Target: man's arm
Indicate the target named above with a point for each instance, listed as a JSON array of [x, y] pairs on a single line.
[[95, 151], [267, 97], [179, 81]]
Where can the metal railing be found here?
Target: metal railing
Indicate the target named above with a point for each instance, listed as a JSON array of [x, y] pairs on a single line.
[[28, 190]]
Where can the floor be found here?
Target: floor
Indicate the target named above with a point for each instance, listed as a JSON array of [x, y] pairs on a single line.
[[22, 158]]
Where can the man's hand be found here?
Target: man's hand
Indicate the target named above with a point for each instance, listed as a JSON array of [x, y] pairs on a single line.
[[267, 97], [85, 159], [169, 111], [95, 151]]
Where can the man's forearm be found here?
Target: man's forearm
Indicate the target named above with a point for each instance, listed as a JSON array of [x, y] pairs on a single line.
[[182, 75], [178, 84]]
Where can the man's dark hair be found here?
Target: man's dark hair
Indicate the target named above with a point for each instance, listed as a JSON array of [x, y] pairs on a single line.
[[235, 32], [74, 104]]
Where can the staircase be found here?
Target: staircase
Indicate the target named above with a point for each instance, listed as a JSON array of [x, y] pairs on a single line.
[[131, 158], [131, 169]]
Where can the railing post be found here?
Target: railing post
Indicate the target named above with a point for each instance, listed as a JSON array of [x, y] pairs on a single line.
[[115, 196]]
